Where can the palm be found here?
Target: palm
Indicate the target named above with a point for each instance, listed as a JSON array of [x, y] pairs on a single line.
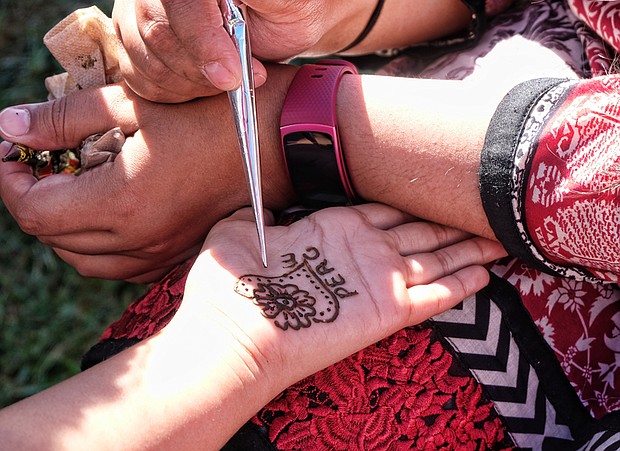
[[337, 281]]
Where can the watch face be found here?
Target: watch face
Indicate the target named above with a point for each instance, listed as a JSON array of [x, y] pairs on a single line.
[[313, 168]]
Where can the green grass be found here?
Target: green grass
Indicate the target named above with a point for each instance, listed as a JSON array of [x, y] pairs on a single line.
[[49, 315]]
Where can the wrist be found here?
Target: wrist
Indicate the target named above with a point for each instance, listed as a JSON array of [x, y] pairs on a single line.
[[310, 136], [216, 342], [359, 145], [278, 192]]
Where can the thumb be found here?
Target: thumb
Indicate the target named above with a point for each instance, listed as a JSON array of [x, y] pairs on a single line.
[[65, 122], [206, 40]]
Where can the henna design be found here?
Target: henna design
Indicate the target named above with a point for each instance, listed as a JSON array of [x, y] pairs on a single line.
[[300, 297]]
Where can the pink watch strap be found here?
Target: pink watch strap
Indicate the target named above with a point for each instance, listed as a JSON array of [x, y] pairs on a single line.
[[311, 98], [310, 106]]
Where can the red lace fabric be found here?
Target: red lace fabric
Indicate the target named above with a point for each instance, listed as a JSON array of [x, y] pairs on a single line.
[[149, 314], [405, 392]]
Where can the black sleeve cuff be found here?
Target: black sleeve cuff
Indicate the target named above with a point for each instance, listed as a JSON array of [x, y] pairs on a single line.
[[520, 113]]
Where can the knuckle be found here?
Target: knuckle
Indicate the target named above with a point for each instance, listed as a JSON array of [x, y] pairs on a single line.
[[446, 261], [440, 234], [145, 90], [50, 119], [156, 32], [462, 284], [160, 73], [28, 220], [58, 118]]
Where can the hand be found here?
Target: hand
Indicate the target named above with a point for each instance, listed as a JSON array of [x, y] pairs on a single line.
[[337, 281], [225, 354], [178, 173], [179, 50]]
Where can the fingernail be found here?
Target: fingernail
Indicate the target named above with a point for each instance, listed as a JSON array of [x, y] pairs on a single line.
[[14, 122], [5, 149], [10, 151], [219, 76], [259, 78]]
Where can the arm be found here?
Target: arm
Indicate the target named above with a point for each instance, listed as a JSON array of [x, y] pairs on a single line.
[[180, 169], [415, 144], [227, 351], [178, 50]]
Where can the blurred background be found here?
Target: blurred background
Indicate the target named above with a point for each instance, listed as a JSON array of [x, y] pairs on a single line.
[[49, 314]]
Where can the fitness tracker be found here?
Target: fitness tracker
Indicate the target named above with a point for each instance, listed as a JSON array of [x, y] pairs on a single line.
[[309, 132]]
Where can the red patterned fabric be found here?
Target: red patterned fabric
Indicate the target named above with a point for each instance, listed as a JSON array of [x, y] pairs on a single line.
[[602, 16], [572, 200], [572, 210], [581, 323]]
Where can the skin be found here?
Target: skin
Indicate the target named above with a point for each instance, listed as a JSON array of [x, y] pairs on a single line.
[[406, 142], [179, 50], [125, 216], [177, 390], [123, 223]]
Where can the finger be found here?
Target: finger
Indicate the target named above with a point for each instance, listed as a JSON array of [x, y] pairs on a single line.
[[426, 267], [163, 76], [383, 216], [65, 122], [160, 84], [91, 242], [123, 267], [206, 40], [17, 185], [161, 43], [15, 178], [446, 292], [65, 203], [423, 236]]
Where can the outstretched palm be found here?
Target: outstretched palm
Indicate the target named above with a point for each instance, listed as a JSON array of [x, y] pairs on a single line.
[[337, 281]]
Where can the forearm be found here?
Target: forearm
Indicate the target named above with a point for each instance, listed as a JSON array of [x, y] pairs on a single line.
[[410, 143], [415, 144], [407, 142], [164, 393], [244, 333], [401, 23]]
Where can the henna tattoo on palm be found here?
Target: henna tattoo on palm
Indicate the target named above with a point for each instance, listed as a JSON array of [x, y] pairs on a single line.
[[309, 292]]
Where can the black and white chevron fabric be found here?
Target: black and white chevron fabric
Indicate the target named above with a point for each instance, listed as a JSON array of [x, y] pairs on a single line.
[[494, 336]]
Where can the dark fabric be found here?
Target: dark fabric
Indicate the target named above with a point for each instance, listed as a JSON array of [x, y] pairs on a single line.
[[249, 438], [106, 349], [368, 28], [496, 164]]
